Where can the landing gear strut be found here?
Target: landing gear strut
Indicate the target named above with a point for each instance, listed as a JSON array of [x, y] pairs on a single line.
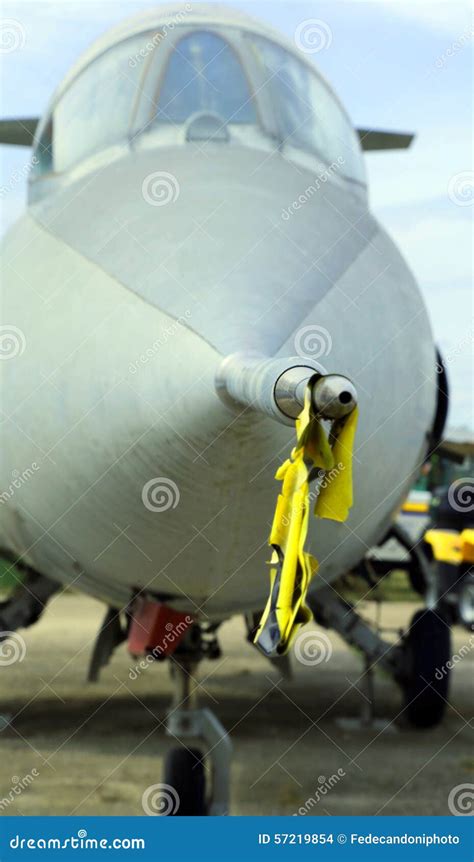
[[198, 769], [418, 661], [164, 634], [205, 749]]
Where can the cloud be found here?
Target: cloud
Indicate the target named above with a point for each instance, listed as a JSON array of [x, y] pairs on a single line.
[[443, 16], [438, 247]]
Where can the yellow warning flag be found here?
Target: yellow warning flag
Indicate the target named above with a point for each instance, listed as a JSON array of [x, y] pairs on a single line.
[[292, 568], [335, 495]]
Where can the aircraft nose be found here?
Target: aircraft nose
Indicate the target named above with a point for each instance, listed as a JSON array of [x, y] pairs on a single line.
[[210, 231]]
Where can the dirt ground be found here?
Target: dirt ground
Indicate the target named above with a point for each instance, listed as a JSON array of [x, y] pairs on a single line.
[[94, 748]]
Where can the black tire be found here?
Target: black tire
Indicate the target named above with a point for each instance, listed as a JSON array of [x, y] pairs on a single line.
[[426, 677], [184, 771]]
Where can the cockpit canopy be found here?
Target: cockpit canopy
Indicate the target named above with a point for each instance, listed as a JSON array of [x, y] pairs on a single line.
[[204, 74], [216, 83]]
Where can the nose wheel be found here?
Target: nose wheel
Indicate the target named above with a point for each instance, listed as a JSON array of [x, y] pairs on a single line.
[[199, 769], [184, 772]]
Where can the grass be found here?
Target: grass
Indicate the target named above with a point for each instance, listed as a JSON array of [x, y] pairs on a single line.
[[394, 587], [9, 577]]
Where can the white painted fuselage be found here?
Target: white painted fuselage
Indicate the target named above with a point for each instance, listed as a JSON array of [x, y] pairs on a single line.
[[122, 312]]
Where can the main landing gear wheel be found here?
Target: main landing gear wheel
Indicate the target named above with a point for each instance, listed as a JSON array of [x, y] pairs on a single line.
[[184, 772], [426, 672]]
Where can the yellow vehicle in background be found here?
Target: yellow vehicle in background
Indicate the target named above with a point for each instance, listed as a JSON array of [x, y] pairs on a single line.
[[432, 540]]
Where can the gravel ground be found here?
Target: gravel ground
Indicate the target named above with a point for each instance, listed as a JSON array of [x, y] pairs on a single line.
[[79, 748]]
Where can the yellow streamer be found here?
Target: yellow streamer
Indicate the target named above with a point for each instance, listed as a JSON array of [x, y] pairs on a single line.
[[291, 567]]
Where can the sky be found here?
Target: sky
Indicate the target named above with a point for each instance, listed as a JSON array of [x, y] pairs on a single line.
[[396, 65]]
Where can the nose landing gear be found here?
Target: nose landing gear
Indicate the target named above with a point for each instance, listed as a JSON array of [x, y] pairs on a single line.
[[186, 767], [163, 634]]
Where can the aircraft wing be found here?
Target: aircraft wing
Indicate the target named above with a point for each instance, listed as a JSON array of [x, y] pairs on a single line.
[[375, 139], [19, 131]]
